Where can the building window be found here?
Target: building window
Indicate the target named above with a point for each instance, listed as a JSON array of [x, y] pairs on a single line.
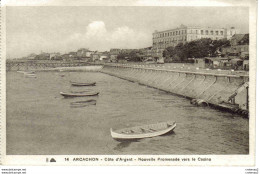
[[221, 32], [216, 32], [201, 31], [211, 32], [207, 32], [196, 31]]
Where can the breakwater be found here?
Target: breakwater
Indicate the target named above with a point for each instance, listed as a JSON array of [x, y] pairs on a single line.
[[80, 68], [228, 92], [42, 65]]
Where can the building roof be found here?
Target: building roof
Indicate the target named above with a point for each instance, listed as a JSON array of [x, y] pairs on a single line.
[[244, 40], [189, 27], [238, 37], [83, 49]]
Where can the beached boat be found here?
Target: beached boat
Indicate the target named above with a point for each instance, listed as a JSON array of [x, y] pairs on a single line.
[[79, 94], [83, 84], [145, 131]]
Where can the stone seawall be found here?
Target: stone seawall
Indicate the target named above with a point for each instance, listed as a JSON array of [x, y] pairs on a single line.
[[229, 92], [78, 68]]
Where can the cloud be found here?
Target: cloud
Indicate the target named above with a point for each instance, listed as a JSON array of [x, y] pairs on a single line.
[[97, 37]]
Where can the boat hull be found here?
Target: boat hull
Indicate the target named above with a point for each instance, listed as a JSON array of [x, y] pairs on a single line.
[[83, 103], [83, 84], [136, 136], [78, 95]]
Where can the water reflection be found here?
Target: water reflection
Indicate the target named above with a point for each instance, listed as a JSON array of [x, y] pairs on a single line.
[[124, 144]]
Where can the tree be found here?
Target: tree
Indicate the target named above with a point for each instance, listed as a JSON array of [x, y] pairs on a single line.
[[194, 49], [122, 56]]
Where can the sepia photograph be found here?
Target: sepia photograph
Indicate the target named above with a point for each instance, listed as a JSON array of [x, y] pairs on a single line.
[[128, 81]]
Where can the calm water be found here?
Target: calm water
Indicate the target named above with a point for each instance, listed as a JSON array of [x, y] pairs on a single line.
[[41, 121]]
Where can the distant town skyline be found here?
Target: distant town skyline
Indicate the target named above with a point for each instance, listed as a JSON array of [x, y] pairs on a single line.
[[65, 29]]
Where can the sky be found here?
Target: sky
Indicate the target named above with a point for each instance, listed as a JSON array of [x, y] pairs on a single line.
[[63, 29]]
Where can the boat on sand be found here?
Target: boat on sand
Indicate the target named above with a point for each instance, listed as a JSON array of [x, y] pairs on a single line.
[[145, 131]]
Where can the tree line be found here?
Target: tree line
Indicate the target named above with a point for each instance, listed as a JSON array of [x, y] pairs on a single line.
[[205, 47]]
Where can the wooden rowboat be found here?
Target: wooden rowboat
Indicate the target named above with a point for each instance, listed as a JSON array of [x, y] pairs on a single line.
[[83, 103], [30, 75], [145, 131], [83, 84], [79, 94]]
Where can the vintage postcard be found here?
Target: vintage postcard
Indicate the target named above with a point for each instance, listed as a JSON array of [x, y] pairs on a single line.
[[136, 82]]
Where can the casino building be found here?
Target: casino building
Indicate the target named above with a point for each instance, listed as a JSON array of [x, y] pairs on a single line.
[[183, 34]]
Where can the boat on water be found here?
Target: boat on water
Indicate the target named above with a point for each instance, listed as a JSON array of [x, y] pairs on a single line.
[[26, 72], [83, 103], [83, 84], [30, 75], [79, 94], [140, 132]]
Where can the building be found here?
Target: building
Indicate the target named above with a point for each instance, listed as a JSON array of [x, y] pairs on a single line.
[[113, 57], [31, 56], [240, 43], [115, 51], [54, 56], [95, 56], [239, 46], [43, 56], [127, 51], [183, 34], [217, 63], [104, 58], [84, 53]]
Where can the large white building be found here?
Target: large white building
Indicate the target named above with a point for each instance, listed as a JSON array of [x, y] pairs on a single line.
[[183, 34]]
